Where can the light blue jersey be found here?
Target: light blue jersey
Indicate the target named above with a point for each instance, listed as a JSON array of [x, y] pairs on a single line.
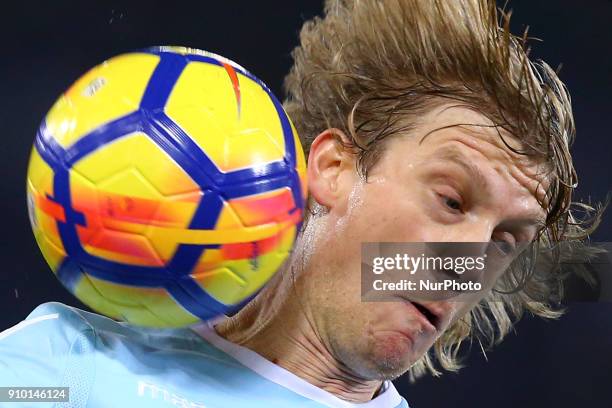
[[110, 364]]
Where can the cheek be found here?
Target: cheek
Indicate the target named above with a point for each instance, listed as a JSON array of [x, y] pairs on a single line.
[[377, 211], [390, 212]]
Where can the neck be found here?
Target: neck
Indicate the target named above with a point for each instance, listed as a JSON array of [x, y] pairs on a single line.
[[276, 326]]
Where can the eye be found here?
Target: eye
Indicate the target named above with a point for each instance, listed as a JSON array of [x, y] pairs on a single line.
[[449, 197], [451, 203]]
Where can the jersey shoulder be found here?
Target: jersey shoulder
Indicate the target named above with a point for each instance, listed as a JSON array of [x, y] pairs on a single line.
[[49, 330], [50, 348]]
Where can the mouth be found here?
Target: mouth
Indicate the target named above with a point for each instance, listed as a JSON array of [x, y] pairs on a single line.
[[430, 319]]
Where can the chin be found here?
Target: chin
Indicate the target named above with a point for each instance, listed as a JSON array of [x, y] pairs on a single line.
[[393, 355]]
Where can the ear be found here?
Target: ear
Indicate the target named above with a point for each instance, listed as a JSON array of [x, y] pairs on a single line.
[[327, 159]]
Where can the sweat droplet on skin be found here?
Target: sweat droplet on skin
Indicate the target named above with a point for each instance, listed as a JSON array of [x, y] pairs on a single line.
[[305, 244], [355, 199]]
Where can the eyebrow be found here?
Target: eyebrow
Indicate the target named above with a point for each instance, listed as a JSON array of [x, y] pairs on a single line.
[[454, 155]]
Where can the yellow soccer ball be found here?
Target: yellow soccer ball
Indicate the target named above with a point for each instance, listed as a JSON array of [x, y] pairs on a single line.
[[166, 187]]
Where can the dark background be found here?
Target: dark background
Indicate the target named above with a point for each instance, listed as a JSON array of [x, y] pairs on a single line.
[[47, 45]]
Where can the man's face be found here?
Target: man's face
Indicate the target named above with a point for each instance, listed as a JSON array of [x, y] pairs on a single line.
[[461, 184]]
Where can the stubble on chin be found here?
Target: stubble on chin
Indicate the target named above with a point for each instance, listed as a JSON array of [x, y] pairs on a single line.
[[381, 357]]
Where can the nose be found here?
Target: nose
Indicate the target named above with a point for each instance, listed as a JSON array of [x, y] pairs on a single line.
[[467, 239], [468, 244]]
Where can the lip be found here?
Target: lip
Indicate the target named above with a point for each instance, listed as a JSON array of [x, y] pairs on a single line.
[[426, 325]]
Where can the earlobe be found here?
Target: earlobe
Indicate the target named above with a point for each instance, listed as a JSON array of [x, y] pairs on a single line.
[[328, 157]]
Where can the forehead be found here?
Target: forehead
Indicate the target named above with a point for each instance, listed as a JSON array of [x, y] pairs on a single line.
[[461, 134], [447, 120]]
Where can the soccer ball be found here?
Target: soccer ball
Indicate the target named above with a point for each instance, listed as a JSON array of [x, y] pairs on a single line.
[[166, 186]]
